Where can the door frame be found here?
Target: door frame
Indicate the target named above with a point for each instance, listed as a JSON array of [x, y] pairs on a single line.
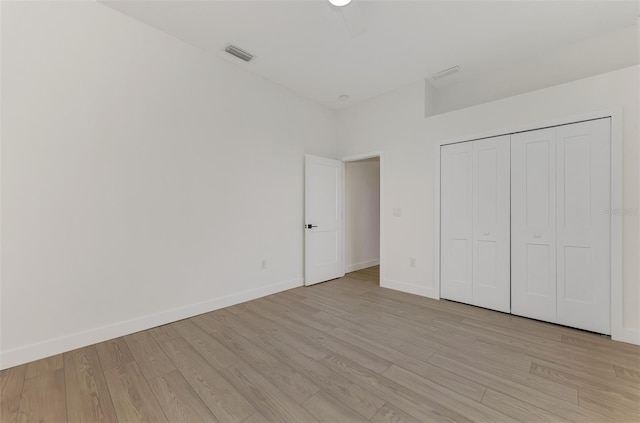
[[355, 158], [618, 331]]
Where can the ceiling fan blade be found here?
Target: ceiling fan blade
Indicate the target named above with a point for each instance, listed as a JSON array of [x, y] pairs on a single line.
[[354, 19]]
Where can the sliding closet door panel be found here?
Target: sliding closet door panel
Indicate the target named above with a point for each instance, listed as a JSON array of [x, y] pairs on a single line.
[[583, 226], [533, 231], [456, 223], [491, 219]]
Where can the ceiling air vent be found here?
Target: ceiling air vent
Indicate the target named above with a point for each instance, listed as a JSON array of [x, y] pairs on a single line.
[[446, 72], [238, 52]]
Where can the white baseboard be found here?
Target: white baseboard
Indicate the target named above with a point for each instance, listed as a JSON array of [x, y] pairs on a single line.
[[424, 291], [362, 265], [631, 336], [28, 353]]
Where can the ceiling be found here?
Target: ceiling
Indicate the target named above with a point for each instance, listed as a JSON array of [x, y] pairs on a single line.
[[305, 45]]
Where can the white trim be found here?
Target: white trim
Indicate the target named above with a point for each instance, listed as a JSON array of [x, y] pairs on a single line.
[[436, 222], [618, 331], [363, 156], [54, 346], [354, 158], [362, 265], [631, 336], [537, 125], [424, 291]]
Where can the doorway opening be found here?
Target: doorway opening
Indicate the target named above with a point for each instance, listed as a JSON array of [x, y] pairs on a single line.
[[362, 218]]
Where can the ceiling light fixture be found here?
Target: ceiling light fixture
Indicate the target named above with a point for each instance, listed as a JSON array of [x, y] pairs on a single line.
[[339, 3]]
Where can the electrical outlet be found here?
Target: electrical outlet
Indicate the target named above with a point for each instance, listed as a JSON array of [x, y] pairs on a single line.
[[412, 262], [263, 264]]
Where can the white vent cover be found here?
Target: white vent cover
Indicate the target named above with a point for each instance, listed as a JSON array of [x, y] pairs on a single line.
[[238, 52], [446, 72]]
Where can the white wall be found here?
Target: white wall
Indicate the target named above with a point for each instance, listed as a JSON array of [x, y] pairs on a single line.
[[143, 180], [614, 50], [395, 124], [362, 214]]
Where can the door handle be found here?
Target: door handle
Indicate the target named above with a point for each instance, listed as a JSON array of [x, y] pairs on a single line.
[[311, 226]]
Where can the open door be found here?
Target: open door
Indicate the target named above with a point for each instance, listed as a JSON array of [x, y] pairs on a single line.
[[323, 240]]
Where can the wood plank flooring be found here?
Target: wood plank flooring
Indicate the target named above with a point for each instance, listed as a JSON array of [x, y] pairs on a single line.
[[342, 351]]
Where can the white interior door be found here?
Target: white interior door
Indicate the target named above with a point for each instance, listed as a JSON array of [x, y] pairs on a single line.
[[583, 226], [533, 224], [323, 240], [456, 222], [491, 223]]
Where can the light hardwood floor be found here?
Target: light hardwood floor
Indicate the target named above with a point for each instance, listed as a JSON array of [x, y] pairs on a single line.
[[341, 351]]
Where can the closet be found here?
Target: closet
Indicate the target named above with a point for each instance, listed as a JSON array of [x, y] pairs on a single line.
[[524, 226]]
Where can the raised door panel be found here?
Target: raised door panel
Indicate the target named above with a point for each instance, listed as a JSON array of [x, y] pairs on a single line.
[[491, 223], [533, 217], [323, 211], [583, 226], [456, 223]]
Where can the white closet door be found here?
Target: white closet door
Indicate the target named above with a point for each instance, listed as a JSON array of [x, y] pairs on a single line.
[[491, 223], [583, 226], [533, 218], [456, 223]]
